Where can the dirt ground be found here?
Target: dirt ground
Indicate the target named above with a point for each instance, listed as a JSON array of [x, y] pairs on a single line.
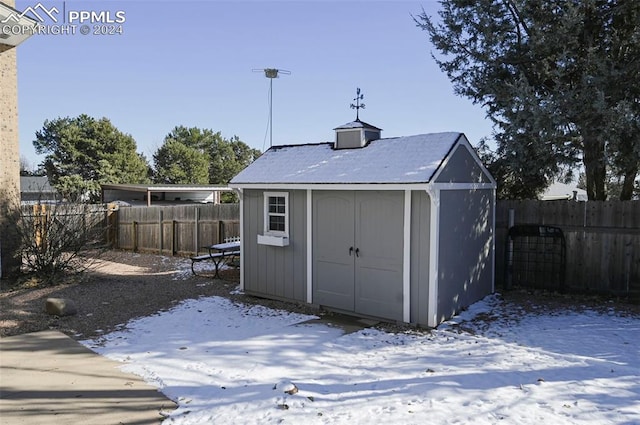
[[118, 287], [123, 285]]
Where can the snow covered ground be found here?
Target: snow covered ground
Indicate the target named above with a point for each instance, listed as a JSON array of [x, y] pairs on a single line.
[[496, 363]]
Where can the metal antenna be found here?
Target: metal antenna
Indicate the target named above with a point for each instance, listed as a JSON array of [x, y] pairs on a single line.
[[271, 73], [358, 105]]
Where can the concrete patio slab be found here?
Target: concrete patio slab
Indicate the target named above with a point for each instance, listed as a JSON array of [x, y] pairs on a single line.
[[47, 377]]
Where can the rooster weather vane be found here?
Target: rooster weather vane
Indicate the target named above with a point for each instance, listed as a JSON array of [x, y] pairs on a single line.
[[358, 105]]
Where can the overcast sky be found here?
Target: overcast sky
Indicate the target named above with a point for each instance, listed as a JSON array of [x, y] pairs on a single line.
[[190, 63]]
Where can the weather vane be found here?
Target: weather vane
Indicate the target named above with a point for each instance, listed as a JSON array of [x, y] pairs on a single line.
[[358, 105]]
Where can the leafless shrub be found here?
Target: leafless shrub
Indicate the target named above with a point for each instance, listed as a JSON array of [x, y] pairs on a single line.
[[60, 238]]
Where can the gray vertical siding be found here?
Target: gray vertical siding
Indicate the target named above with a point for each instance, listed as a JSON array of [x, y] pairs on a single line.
[[270, 271], [465, 244], [420, 237], [349, 139], [462, 168]]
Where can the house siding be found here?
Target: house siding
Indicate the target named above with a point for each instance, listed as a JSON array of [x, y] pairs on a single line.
[[462, 168], [420, 237], [270, 271], [465, 249]]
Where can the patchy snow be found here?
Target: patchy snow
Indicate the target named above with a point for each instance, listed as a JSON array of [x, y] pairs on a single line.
[[408, 159], [226, 363]]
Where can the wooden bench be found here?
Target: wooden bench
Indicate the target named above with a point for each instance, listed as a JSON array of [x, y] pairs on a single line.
[[217, 258]]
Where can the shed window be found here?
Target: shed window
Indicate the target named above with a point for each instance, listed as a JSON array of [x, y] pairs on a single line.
[[276, 221]]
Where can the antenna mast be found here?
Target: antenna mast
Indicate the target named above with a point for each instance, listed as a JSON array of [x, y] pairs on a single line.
[[272, 73]]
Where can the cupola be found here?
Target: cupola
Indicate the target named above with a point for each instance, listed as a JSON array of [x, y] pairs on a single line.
[[356, 134]]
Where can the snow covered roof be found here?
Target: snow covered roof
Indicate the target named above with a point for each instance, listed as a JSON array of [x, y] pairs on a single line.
[[357, 124], [409, 159], [36, 184]]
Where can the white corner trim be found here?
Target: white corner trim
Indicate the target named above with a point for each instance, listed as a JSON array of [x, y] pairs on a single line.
[[406, 260], [309, 248], [434, 236], [241, 239], [493, 244]]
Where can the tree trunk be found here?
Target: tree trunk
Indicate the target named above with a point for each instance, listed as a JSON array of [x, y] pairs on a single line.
[[595, 168], [627, 185]]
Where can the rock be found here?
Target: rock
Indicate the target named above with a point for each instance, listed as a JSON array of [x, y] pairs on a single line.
[[60, 307], [286, 387]]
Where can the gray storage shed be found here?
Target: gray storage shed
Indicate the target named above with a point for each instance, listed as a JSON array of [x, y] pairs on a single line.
[[400, 228]]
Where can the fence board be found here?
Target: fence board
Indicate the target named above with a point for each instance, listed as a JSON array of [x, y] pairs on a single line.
[[603, 241], [176, 230]]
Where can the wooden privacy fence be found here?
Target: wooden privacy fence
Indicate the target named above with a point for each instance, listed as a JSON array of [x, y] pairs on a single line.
[[175, 230], [602, 241], [47, 223]]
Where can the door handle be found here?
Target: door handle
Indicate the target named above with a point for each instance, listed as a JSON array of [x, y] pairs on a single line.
[[357, 252], [350, 250]]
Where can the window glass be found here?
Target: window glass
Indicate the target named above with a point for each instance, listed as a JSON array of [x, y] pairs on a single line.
[[276, 214]]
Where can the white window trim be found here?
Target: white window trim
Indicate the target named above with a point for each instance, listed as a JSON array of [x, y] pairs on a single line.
[[285, 195]]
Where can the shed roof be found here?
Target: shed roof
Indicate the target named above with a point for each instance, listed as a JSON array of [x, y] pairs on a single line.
[[408, 159], [357, 124], [164, 187]]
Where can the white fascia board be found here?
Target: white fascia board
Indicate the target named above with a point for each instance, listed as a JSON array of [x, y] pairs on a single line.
[[332, 186], [17, 27], [464, 186]]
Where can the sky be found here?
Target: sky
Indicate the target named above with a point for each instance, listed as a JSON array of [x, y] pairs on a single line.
[[192, 63], [225, 362]]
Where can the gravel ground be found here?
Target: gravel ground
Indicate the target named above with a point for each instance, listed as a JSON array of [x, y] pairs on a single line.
[[119, 287], [123, 285]]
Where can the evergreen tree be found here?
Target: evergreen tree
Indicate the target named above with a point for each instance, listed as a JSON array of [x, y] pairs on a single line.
[[194, 155], [178, 163], [83, 152], [559, 80]]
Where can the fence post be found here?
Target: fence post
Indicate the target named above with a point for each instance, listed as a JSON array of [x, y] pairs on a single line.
[[220, 231], [509, 278], [112, 213], [196, 231], [160, 235], [40, 224], [174, 225], [135, 236]]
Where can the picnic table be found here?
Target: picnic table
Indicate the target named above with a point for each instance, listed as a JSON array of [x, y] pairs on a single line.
[[221, 253]]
